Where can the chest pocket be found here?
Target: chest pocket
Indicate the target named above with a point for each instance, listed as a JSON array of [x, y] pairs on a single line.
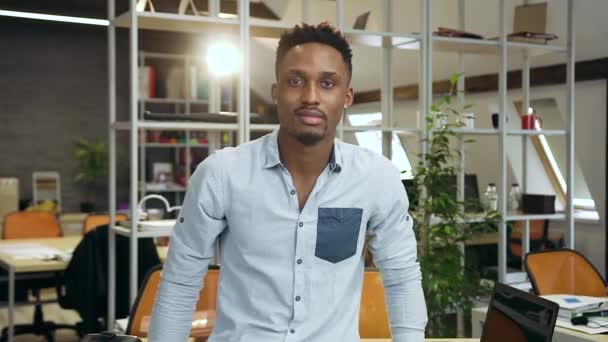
[[337, 233]]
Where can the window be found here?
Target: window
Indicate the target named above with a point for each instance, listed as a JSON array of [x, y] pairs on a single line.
[[372, 140], [552, 152]]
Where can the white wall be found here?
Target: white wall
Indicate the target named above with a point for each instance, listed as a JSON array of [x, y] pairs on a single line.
[[482, 156]]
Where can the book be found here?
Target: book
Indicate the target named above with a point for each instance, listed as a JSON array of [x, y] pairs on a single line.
[[573, 306], [531, 37], [449, 32]]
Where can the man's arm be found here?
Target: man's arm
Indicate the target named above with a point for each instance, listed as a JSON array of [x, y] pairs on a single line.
[[393, 245], [200, 222]]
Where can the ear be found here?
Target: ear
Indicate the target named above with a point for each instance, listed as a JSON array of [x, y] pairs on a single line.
[[273, 92], [350, 97]]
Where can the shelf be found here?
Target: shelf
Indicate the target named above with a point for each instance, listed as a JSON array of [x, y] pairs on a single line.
[[172, 187], [176, 125], [172, 101], [491, 131], [176, 145], [263, 127], [381, 39], [398, 130], [465, 45], [483, 46], [174, 22], [124, 231], [475, 131], [527, 217], [535, 132]]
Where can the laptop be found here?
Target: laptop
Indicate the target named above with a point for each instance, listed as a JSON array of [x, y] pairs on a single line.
[[518, 316]]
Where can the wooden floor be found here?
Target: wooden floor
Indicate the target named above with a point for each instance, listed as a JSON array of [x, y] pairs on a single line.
[[51, 312]]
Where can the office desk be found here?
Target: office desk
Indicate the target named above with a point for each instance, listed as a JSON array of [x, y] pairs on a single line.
[[492, 239], [478, 316], [389, 340], [27, 266]]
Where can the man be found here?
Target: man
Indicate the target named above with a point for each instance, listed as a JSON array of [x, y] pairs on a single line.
[[292, 211]]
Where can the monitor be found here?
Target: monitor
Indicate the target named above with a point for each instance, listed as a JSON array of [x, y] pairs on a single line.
[[471, 192], [518, 316]]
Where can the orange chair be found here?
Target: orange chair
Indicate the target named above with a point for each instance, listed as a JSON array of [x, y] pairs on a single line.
[[30, 225], [373, 318], [95, 220], [539, 236], [563, 271], [147, 295]]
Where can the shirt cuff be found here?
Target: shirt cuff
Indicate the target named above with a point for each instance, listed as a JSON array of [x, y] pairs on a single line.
[[412, 336]]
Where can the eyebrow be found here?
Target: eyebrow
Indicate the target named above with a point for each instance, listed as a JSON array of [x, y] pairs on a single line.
[[323, 74]]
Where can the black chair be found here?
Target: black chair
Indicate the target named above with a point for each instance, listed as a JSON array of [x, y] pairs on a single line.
[[83, 286], [39, 325]]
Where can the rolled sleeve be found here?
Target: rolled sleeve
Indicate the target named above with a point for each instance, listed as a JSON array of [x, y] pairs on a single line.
[[200, 222], [393, 245]]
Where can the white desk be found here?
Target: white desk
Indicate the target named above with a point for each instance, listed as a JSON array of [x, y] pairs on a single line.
[[27, 266], [478, 316]]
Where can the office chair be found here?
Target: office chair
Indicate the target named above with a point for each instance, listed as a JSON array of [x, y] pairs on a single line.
[[96, 220], [539, 240], [85, 280], [30, 225], [563, 271], [146, 297], [373, 317]]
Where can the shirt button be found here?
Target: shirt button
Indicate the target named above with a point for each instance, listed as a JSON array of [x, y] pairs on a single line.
[[300, 224], [297, 298], [299, 261], [293, 192], [181, 219], [293, 331]]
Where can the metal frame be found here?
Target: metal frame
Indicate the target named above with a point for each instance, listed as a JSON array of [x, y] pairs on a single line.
[[504, 49]]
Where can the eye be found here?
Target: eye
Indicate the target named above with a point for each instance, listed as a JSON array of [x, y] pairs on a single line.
[[328, 84], [295, 82]]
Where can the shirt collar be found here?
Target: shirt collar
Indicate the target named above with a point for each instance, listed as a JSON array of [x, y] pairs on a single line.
[[273, 157]]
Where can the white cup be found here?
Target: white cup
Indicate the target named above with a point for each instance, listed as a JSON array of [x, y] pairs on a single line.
[[468, 119]]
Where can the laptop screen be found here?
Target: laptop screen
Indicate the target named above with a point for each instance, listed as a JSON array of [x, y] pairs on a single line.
[[517, 316]]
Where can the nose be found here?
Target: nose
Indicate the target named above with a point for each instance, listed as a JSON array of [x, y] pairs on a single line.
[[310, 94]]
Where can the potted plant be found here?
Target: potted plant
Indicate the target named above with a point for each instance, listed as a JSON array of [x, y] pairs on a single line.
[[441, 225], [92, 158]]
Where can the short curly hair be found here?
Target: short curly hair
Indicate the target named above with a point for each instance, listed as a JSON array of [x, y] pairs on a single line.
[[323, 33]]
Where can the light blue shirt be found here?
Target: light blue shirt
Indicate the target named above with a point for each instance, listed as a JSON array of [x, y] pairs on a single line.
[[290, 275]]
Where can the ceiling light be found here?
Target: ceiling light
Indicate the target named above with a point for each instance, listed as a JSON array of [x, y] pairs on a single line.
[[51, 17], [223, 59]]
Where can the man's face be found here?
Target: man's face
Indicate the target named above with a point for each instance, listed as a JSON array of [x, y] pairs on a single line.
[[311, 92]]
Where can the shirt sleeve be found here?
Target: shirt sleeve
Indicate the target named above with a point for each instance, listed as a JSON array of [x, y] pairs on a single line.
[[393, 245], [200, 222]]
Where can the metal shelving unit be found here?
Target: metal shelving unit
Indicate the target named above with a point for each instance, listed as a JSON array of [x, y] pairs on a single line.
[[506, 49]]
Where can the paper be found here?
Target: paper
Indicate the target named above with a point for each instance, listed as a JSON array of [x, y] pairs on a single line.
[[596, 325], [121, 324], [572, 302], [31, 250]]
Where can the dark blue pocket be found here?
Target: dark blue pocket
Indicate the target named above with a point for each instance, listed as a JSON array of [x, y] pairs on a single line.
[[337, 233]]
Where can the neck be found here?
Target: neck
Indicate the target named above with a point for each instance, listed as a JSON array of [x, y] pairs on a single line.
[[303, 160]]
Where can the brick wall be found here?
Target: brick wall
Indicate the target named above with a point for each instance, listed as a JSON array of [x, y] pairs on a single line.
[[53, 91]]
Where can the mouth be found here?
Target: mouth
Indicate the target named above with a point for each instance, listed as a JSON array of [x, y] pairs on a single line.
[[311, 117]]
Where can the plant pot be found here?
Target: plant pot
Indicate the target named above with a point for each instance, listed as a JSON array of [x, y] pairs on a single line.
[[87, 207]]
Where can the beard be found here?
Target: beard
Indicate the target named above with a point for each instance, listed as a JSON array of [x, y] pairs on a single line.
[[308, 138]]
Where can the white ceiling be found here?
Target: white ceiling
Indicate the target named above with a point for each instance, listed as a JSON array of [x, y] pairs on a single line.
[[481, 16]]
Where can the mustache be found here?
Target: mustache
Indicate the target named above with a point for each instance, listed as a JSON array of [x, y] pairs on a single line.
[[308, 111]]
